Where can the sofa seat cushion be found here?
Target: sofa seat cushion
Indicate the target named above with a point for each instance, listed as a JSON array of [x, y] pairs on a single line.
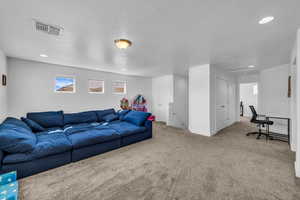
[[92, 136], [15, 138], [124, 128], [80, 125], [82, 117], [47, 119], [47, 144]]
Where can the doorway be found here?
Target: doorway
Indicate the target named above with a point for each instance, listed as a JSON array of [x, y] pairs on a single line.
[[248, 96]]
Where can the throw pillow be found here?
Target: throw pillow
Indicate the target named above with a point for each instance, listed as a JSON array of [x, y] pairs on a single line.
[[137, 117], [122, 114], [35, 127]]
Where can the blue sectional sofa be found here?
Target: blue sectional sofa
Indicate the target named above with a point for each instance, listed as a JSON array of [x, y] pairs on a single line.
[[46, 140]]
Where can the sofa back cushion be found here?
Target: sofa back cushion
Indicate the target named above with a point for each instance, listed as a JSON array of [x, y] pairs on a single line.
[[82, 117], [102, 113], [110, 117], [122, 114], [136, 117], [35, 127], [16, 138], [47, 119]]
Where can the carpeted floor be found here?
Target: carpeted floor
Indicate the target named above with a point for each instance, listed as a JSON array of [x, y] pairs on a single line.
[[176, 165]]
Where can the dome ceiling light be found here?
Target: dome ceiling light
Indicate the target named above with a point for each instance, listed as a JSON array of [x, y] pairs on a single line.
[[266, 20], [123, 43]]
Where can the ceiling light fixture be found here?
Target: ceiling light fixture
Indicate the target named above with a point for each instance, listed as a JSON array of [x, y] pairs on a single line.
[[44, 55], [266, 20], [123, 43], [251, 66]]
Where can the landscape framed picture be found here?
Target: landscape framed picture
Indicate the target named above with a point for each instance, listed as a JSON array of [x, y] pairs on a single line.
[[96, 86], [119, 87], [65, 84]]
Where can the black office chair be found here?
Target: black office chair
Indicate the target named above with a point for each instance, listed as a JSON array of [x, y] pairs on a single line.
[[260, 123]]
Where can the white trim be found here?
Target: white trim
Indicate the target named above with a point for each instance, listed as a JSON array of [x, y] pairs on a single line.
[[65, 92], [103, 87]]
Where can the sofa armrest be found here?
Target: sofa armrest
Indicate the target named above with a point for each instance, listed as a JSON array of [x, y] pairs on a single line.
[[1, 158], [148, 124]]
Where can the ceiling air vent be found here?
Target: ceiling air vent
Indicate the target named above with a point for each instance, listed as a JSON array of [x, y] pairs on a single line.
[[46, 28]]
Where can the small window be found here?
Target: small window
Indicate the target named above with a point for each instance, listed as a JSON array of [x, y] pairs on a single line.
[[255, 91], [65, 84], [96, 86], [119, 87]]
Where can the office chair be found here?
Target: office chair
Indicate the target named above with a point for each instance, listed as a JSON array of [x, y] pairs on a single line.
[[260, 123]]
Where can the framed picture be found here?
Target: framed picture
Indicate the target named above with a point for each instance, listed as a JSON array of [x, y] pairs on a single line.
[[119, 87], [64, 84], [3, 79], [96, 86]]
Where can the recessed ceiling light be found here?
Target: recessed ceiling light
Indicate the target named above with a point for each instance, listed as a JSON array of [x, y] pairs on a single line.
[[44, 55], [123, 43], [266, 20], [251, 66], [123, 69]]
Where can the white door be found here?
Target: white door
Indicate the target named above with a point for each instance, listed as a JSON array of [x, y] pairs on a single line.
[[222, 114]]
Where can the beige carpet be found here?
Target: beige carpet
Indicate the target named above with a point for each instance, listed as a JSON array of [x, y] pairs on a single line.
[[176, 165]]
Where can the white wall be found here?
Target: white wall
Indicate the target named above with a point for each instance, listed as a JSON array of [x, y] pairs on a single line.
[[203, 93], [3, 89], [248, 97], [248, 77], [273, 91], [297, 164], [199, 100], [293, 101], [162, 96], [31, 88]]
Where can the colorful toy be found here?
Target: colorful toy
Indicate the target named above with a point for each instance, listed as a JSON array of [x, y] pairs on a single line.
[[124, 104], [139, 103]]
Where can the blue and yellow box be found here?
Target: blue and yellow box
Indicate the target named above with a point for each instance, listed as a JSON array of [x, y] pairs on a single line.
[[9, 191], [8, 178], [9, 186]]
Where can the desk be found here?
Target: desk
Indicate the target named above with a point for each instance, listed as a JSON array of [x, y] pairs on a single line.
[[278, 136]]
